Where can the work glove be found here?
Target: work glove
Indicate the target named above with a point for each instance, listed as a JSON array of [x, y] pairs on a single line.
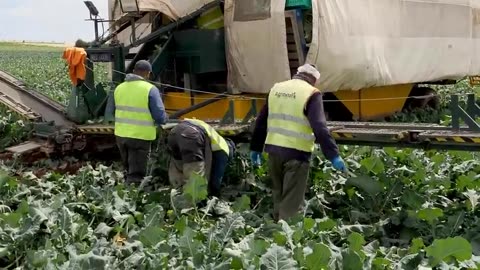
[[256, 158], [338, 164]]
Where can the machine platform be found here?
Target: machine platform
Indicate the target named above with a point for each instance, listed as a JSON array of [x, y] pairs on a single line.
[[55, 132]]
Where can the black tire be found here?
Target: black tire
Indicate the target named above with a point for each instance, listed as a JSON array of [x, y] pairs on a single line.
[[430, 100]]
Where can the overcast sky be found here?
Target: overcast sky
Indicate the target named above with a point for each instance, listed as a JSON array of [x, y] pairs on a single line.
[[48, 20]]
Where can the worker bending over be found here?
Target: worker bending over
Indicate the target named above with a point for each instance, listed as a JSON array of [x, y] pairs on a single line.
[[195, 147], [288, 126], [138, 109]]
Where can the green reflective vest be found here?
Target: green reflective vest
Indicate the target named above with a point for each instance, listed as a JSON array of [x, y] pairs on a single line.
[[132, 114], [211, 19], [217, 142], [287, 125]]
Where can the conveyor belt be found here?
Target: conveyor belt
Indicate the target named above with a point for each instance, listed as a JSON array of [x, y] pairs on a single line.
[[422, 135], [30, 104]]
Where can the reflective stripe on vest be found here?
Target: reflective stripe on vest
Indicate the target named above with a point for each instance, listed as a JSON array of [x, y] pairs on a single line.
[[287, 125], [211, 19], [217, 142], [132, 115]]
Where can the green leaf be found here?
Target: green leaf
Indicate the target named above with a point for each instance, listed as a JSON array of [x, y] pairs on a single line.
[[12, 219], [326, 224], [87, 261], [188, 243], [373, 164], [351, 260], [417, 245], [154, 215], [39, 214], [430, 214], [381, 263], [356, 241], [473, 198], [447, 249], [151, 236], [227, 226], [38, 259], [242, 204], [279, 238], [181, 224], [467, 181], [103, 229], [3, 252], [308, 224], [412, 199], [320, 257], [196, 188], [278, 258], [365, 184]]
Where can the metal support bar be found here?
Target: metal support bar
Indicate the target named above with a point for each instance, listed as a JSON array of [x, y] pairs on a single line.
[[472, 108], [458, 113], [134, 34], [115, 32], [229, 117], [200, 105], [251, 113], [174, 25]]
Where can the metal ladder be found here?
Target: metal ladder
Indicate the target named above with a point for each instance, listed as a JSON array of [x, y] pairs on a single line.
[[296, 43]]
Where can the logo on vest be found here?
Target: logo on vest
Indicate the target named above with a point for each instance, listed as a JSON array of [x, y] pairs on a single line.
[[285, 95]]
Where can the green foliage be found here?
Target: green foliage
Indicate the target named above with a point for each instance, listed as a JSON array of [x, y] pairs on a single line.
[[13, 130], [394, 218], [42, 68]]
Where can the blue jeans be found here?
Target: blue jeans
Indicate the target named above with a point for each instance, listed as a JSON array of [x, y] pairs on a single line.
[[219, 164]]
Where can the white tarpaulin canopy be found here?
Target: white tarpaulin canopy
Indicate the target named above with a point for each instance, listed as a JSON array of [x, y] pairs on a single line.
[[361, 43], [172, 8], [356, 43]]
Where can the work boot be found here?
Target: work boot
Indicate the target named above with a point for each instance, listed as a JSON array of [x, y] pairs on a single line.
[[214, 192]]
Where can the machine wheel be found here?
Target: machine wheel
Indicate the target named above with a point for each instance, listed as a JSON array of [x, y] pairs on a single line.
[[430, 101]]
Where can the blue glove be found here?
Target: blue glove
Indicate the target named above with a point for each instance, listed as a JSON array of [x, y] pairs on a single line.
[[256, 158], [338, 164]]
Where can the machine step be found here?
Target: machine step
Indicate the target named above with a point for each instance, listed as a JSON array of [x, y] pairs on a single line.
[[24, 147]]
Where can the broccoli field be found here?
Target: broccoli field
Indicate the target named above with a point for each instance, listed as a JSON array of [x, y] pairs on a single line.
[[395, 209]]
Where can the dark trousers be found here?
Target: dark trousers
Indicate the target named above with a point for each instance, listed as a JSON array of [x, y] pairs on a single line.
[[191, 152], [135, 154], [289, 184]]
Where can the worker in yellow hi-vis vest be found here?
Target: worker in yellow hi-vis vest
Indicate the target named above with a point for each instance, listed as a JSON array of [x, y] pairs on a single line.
[[138, 110], [196, 147], [289, 125]]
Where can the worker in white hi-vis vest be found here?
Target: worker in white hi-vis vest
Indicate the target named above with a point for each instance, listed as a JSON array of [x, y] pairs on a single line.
[[288, 127]]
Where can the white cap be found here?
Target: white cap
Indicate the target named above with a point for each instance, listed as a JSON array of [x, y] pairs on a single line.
[[309, 69]]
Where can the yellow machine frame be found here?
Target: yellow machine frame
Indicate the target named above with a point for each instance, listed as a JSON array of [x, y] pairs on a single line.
[[365, 104]]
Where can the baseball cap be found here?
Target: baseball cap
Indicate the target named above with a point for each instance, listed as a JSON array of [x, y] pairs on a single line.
[[143, 65]]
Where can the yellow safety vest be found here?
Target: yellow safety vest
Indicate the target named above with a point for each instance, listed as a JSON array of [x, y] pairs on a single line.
[[211, 19], [132, 114], [287, 125], [217, 142]]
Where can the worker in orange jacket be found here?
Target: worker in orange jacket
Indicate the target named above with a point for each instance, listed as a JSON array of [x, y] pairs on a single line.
[[75, 58]]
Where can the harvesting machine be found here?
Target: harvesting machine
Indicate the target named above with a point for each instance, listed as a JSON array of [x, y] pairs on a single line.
[[216, 60]]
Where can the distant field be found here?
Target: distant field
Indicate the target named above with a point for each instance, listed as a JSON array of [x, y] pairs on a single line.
[[41, 67]]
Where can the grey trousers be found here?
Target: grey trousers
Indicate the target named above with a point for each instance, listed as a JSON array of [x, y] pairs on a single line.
[[135, 154], [190, 152], [289, 184]]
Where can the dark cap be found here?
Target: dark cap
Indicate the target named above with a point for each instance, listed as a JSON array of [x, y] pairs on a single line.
[[143, 65]]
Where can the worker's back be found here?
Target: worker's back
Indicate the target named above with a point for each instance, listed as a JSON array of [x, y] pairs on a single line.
[[287, 124], [132, 115]]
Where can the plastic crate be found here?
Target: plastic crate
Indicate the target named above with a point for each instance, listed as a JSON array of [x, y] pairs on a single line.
[[304, 4]]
